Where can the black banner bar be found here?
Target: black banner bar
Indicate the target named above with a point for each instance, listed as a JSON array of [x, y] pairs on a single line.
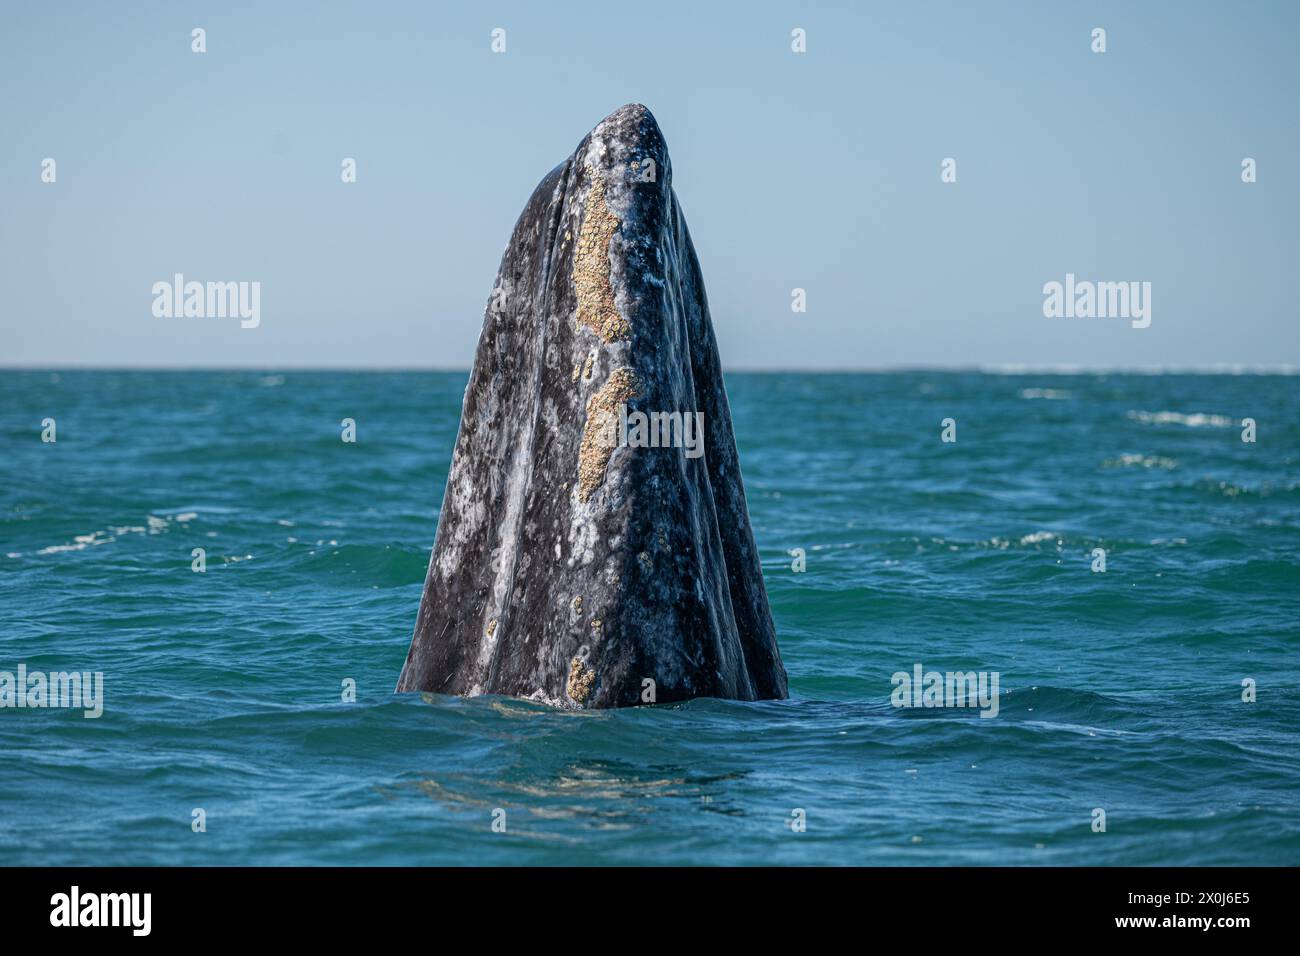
[[336, 905]]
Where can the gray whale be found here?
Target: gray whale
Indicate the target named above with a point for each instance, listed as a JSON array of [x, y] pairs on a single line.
[[568, 567]]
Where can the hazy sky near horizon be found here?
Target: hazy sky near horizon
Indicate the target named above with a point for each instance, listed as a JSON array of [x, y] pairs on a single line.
[[818, 171]]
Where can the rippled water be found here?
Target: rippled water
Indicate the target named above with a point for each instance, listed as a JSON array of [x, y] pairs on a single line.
[[1120, 690]]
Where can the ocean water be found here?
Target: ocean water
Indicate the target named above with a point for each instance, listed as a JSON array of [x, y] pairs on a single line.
[[1119, 690]]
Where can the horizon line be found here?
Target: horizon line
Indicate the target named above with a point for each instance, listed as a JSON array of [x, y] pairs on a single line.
[[1016, 368]]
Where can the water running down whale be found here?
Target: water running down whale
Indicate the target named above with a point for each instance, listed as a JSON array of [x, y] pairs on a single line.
[[569, 566]]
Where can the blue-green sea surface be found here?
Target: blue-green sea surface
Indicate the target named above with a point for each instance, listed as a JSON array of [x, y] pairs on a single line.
[[1120, 691]]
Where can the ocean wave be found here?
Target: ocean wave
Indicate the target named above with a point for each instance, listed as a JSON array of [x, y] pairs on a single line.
[[386, 565], [1191, 420], [155, 524], [1067, 707], [1222, 488], [1103, 370], [1129, 460], [1025, 540]]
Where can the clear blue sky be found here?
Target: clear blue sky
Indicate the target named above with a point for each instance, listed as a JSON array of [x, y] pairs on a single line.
[[818, 171]]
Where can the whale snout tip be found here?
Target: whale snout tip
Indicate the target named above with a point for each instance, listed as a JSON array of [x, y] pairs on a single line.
[[632, 133], [632, 114]]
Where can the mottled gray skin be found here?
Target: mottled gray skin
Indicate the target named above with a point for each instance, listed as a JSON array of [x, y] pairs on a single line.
[[661, 553]]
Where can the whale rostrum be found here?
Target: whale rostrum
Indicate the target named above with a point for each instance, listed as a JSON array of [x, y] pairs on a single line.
[[594, 546]]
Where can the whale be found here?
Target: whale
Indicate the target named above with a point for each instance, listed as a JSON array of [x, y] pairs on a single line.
[[577, 563]]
